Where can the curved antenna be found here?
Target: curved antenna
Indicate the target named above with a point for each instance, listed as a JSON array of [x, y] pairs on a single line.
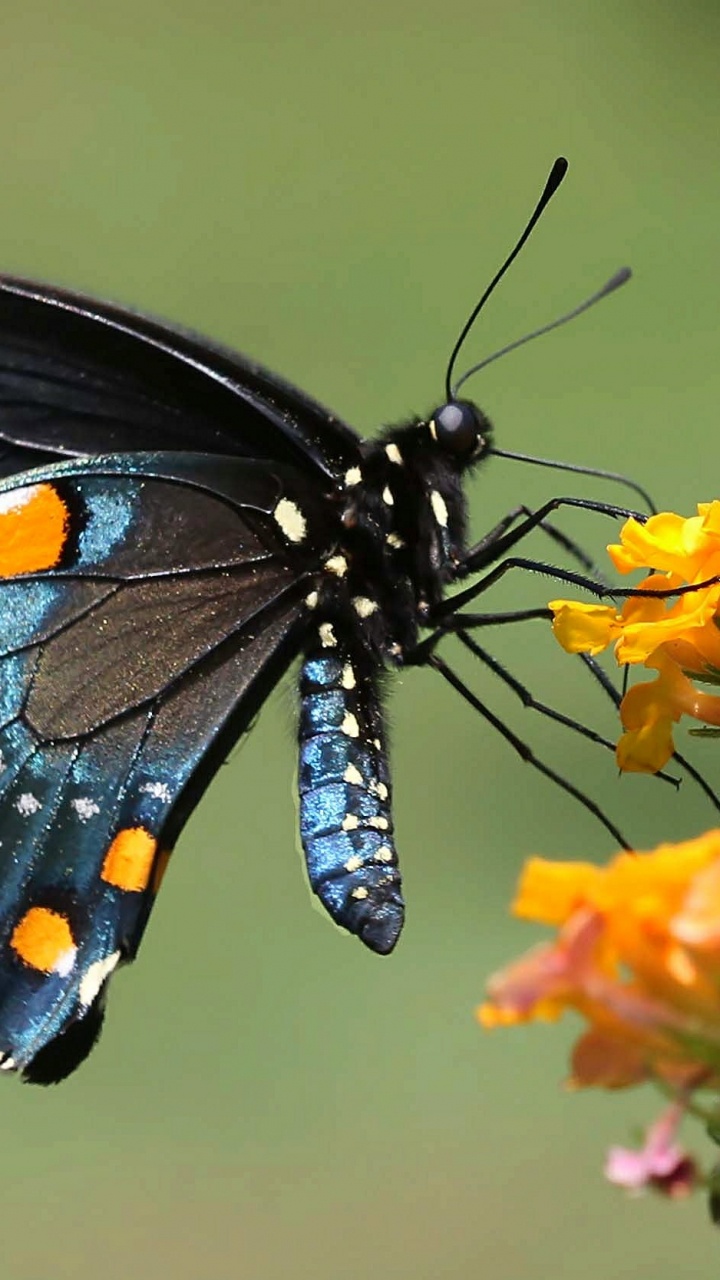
[[621, 277], [557, 173], [583, 471]]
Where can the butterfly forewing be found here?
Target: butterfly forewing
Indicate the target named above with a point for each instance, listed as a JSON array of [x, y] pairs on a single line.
[[78, 376]]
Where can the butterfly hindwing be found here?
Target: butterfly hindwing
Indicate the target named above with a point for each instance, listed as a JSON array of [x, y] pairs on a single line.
[[122, 692]]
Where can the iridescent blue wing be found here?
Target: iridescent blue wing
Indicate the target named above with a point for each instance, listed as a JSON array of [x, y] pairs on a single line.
[[147, 605], [82, 377]]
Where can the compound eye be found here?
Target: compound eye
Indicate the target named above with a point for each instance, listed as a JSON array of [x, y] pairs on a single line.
[[459, 427]]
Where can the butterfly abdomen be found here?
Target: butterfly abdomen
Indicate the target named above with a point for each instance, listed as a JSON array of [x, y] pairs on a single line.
[[345, 817]]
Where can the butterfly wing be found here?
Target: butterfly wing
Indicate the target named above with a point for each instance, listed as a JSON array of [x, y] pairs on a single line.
[[80, 377], [147, 605]]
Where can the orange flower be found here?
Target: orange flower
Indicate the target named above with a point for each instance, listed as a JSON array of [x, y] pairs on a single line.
[[637, 955], [679, 638]]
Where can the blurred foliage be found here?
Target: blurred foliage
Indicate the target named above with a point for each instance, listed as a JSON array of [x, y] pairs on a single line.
[[329, 188]]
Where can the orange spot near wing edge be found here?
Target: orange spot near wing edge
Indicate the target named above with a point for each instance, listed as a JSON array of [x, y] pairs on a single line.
[[43, 939], [129, 860], [34, 524]]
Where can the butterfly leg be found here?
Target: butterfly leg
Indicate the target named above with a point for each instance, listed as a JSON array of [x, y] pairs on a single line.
[[524, 751]]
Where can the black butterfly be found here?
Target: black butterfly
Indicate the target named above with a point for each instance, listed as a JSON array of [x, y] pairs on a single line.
[[208, 524]]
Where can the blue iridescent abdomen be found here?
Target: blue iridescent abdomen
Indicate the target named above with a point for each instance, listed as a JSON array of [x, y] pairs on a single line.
[[345, 815]]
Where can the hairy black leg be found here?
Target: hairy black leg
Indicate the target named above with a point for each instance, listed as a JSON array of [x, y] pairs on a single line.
[[494, 545], [524, 751], [558, 536]]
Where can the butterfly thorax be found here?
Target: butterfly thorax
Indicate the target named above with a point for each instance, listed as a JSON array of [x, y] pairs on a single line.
[[401, 534]]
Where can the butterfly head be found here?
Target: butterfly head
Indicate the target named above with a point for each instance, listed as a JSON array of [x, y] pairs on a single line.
[[461, 430]]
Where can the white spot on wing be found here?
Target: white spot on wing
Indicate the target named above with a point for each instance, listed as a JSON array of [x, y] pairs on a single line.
[[380, 824], [383, 854], [350, 726], [350, 822], [158, 791], [291, 520], [328, 639], [27, 804], [18, 498], [354, 863], [394, 540], [64, 963], [387, 497], [353, 476], [94, 977], [347, 679], [7, 1064], [352, 774], [311, 600], [439, 506], [359, 893], [394, 454], [85, 808]]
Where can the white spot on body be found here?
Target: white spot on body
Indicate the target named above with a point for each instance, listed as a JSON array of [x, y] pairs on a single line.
[[27, 804], [351, 822], [311, 600], [291, 520], [85, 808], [353, 476], [337, 565], [354, 863], [394, 454], [387, 497], [364, 606], [432, 428], [94, 977], [347, 678], [353, 775], [328, 639], [350, 726], [439, 506], [158, 791]]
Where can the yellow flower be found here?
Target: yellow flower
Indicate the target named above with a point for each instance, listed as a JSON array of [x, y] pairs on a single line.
[[637, 954], [679, 638]]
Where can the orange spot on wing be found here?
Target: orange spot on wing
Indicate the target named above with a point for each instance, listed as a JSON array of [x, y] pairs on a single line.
[[43, 939], [129, 860], [160, 868], [34, 524]]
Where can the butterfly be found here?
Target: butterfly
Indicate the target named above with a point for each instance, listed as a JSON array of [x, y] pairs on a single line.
[[177, 526]]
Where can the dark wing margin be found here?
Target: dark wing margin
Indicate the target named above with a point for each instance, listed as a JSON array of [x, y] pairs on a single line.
[[81, 377], [121, 692]]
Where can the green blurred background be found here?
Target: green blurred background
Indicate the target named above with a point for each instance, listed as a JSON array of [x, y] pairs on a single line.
[[329, 188]]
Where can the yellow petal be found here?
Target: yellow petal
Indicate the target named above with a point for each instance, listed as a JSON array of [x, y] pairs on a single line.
[[584, 628]]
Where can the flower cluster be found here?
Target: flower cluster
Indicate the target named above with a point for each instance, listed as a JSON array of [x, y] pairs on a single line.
[[637, 955], [678, 637]]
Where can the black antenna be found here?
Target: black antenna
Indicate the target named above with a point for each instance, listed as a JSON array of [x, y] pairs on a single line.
[[621, 277], [557, 173]]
